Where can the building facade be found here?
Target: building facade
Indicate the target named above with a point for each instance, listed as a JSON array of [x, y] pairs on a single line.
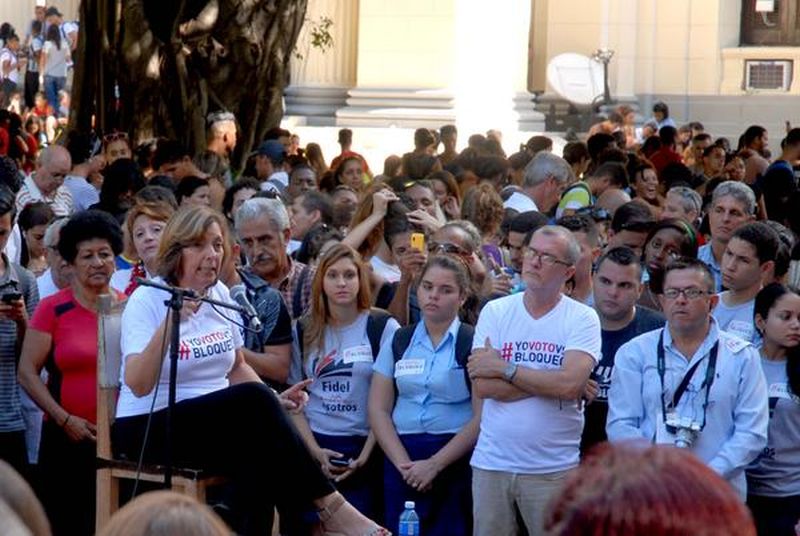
[[726, 63]]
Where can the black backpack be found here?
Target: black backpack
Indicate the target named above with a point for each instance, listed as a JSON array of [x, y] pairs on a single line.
[[402, 338], [376, 323]]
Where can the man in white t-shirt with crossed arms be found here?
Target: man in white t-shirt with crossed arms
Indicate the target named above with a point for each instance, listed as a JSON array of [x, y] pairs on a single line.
[[532, 356]]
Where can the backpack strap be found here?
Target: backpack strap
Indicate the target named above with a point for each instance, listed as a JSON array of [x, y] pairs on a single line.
[[299, 330], [401, 340], [376, 323], [297, 296], [464, 349]]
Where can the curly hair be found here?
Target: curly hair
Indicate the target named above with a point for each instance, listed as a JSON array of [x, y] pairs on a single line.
[[483, 206]]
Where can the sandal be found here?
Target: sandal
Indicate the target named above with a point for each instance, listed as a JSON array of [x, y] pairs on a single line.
[[328, 512]]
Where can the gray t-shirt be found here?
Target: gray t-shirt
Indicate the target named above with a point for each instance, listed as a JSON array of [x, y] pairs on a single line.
[[15, 279], [737, 320], [341, 374], [776, 472]]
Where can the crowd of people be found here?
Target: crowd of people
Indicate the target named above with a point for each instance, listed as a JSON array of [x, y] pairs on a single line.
[[463, 329]]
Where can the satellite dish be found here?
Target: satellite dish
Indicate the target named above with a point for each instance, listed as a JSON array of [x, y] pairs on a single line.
[[577, 78]]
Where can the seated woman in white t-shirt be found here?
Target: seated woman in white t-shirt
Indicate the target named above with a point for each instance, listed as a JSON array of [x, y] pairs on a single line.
[[144, 224], [225, 420], [341, 337]]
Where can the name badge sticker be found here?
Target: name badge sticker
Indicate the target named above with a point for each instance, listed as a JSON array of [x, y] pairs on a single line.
[[409, 367], [781, 390], [358, 354]]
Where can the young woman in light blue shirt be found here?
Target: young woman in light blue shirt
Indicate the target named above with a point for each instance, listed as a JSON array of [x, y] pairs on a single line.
[[421, 408]]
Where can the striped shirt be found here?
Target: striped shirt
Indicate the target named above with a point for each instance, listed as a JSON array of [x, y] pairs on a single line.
[[60, 200], [14, 279], [295, 288]]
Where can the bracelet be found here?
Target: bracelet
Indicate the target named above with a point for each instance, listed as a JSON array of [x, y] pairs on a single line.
[[63, 424]]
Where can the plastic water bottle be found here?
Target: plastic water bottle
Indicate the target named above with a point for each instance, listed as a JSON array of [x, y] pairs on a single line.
[[409, 521]]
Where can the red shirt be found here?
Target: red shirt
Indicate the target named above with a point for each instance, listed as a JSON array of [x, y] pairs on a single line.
[[4, 141], [664, 157], [72, 364], [347, 154]]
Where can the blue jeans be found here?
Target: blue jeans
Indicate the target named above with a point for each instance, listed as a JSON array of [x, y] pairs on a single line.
[[52, 85]]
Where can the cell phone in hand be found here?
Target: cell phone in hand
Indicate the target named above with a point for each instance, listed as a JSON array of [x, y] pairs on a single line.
[[418, 241], [10, 297], [340, 462]]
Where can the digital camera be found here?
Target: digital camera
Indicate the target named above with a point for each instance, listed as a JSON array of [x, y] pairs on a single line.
[[684, 429]]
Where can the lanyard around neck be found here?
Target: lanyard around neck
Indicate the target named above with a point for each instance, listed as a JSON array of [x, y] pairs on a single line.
[[707, 382]]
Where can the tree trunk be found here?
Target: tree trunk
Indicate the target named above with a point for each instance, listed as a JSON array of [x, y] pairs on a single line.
[[175, 61]]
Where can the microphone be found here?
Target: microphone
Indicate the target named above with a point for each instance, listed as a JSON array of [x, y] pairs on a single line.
[[239, 295]]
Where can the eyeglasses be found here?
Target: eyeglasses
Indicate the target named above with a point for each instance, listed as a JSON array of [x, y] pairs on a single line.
[[545, 258], [690, 293], [448, 248]]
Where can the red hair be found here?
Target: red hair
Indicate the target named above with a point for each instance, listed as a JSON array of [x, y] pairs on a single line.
[[635, 489]]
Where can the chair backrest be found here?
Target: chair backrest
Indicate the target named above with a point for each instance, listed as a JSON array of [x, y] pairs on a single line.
[[109, 361]]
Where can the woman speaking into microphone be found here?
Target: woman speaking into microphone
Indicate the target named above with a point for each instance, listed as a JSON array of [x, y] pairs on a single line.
[[225, 420]]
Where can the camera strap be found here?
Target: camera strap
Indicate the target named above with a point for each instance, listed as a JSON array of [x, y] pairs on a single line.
[[707, 382]]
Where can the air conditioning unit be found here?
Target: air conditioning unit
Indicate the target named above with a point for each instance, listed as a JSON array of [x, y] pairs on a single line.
[[775, 75]]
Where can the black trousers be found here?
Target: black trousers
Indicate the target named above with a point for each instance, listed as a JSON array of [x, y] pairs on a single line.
[[775, 516], [14, 452], [31, 88], [67, 484], [240, 432]]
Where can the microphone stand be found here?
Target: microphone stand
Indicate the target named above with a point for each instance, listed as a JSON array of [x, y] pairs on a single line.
[[175, 303]]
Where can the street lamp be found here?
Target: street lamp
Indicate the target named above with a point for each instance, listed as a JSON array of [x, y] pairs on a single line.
[[604, 55]]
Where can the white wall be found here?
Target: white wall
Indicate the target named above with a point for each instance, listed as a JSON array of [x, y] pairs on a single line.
[[20, 12]]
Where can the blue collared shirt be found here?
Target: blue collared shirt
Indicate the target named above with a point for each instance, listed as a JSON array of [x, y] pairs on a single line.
[[433, 396], [737, 415], [706, 254]]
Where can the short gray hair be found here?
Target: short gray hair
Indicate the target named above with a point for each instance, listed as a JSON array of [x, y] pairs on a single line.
[[737, 190], [690, 200], [53, 232], [259, 207], [545, 165], [573, 250], [473, 235]]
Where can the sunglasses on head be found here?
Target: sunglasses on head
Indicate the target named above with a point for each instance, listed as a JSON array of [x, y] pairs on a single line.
[[115, 136]]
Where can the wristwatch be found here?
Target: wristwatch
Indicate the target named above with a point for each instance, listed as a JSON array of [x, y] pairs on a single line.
[[510, 371]]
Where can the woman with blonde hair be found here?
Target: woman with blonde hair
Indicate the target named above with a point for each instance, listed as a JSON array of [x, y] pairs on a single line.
[[338, 340], [165, 513], [226, 420], [315, 159], [144, 224]]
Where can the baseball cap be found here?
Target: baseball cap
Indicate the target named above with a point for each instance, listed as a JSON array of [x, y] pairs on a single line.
[[272, 149], [52, 10]]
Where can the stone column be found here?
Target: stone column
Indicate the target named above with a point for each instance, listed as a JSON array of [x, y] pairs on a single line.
[[491, 82], [319, 81], [406, 54], [423, 63]]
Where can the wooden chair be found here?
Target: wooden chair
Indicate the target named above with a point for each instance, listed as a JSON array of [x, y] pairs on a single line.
[[109, 470]]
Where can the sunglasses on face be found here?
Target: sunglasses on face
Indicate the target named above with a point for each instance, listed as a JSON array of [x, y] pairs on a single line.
[[448, 248]]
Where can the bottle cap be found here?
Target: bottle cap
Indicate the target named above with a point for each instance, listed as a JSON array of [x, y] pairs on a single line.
[[410, 505]]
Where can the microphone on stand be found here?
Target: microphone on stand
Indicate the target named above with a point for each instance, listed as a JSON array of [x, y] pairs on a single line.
[[239, 295]]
